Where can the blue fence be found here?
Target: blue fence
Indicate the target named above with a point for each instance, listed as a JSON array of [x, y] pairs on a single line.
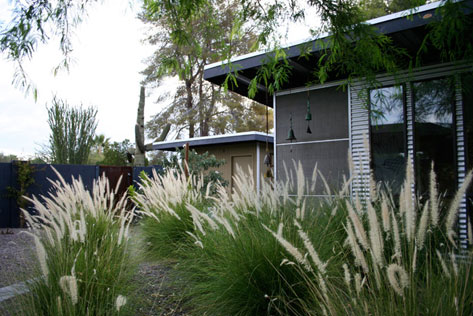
[[43, 173]]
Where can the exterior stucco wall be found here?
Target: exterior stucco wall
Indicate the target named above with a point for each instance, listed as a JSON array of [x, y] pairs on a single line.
[[230, 151]]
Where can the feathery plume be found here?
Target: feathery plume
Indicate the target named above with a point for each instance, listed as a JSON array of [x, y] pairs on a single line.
[[453, 209], [300, 181], [454, 263], [358, 283], [408, 200], [328, 192], [397, 238], [359, 229], [197, 242], [385, 214], [434, 206], [424, 220], [398, 278], [314, 178], [443, 264], [377, 245], [68, 284], [347, 275], [358, 205], [41, 254], [356, 250], [321, 266], [323, 287], [121, 301], [414, 260], [291, 249]]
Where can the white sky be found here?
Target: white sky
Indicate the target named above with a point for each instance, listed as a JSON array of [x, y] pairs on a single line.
[[108, 55]]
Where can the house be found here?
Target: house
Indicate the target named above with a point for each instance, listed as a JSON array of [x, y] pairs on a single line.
[[247, 150], [427, 113]]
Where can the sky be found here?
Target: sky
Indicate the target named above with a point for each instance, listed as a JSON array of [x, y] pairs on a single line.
[[109, 55]]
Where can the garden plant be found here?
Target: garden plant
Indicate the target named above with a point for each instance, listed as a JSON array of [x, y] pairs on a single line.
[[81, 241], [276, 253]]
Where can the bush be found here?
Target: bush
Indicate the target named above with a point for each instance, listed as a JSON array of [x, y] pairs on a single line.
[[81, 242], [404, 260], [271, 253], [168, 225]]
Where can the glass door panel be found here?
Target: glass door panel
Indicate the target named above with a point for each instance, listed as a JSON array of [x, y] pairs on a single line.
[[434, 133]]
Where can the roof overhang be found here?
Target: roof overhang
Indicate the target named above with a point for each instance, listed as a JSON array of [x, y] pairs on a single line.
[[214, 140], [405, 32]]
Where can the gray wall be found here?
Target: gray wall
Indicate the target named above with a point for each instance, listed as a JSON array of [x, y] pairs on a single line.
[[328, 144]]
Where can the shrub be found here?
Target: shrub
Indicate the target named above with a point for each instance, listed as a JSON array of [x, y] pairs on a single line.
[[404, 260], [163, 199], [239, 269], [272, 253], [81, 242]]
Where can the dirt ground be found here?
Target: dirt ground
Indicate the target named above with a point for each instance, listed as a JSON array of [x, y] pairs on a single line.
[[156, 295]]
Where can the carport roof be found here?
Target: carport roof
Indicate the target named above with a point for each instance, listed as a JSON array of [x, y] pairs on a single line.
[[214, 140], [406, 33]]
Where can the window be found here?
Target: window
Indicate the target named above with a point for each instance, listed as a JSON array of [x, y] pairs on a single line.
[[434, 134], [387, 127]]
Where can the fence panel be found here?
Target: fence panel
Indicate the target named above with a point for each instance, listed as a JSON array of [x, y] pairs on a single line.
[[43, 173], [148, 170], [5, 201]]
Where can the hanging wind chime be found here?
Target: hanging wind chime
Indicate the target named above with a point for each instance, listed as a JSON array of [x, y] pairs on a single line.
[[308, 115], [290, 134], [267, 158]]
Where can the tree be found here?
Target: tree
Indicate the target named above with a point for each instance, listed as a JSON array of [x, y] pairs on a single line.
[[7, 158], [72, 132], [116, 154], [374, 8], [39, 22], [353, 47], [184, 47], [100, 142], [199, 164]]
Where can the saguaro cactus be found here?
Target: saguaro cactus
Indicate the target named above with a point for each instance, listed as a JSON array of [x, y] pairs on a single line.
[[140, 131]]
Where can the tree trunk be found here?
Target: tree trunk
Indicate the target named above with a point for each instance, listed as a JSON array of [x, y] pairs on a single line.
[[189, 103]]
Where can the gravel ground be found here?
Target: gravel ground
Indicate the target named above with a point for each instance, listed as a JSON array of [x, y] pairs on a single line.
[[156, 294], [16, 256]]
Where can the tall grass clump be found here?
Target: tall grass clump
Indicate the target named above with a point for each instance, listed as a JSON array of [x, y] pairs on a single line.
[[236, 266], [276, 253], [163, 199], [81, 240], [404, 258]]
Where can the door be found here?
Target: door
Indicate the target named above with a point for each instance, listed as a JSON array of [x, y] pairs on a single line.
[[113, 174], [243, 162]]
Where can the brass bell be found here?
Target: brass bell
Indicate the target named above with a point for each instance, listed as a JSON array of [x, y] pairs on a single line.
[[290, 134], [267, 160], [308, 116]]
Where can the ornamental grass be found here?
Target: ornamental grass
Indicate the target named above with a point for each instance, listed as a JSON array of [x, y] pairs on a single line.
[[81, 239], [273, 253]]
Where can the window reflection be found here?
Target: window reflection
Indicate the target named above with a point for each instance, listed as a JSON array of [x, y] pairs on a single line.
[[387, 136], [434, 134]]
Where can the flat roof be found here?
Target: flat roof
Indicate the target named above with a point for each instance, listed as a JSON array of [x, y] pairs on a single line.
[[405, 32], [214, 140]]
